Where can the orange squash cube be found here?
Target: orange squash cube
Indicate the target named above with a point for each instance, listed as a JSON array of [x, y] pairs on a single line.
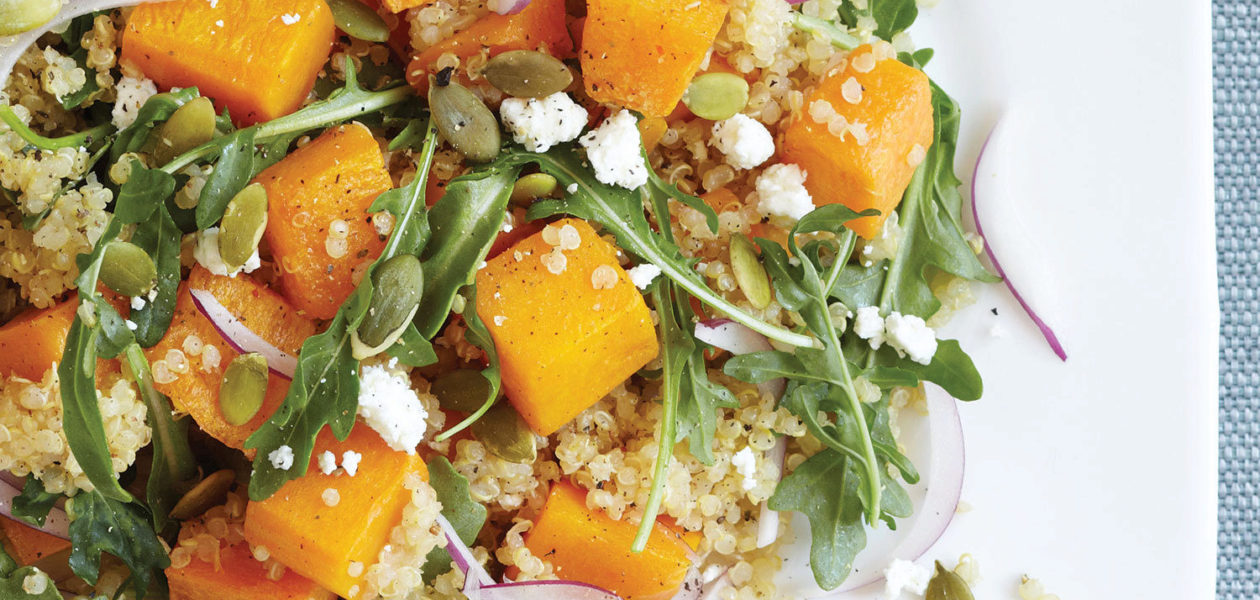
[[562, 342], [33, 341], [642, 54], [196, 392], [895, 105], [240, 577], [258, 58], [589, 546], [28, 545], [334, 178], [319, 541]]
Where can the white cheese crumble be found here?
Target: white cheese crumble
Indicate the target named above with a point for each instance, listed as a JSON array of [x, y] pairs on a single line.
[[613, 149], [782, 193], [350, 462], [903, 575], [132, 325], [744, 141], [137, 303], [746, 465], [911, 336], [327, 462], [290, 18], [540, 123], [207, 254], [389, 405], [642, 275], [36, 583], [870, 326], [132, 94], [281, 458]]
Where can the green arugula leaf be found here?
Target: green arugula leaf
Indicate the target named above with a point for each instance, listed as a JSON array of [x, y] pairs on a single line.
[[33, 504], [412, 349], [154, 112], [81, 416], [100, 524], [76, 98], [950, 368], [465, 514], [478, 335], [232, 172], [173, 465], [161, 238], [87, 138], [13, 581], [825, 489], [145, 190], [893, 16]]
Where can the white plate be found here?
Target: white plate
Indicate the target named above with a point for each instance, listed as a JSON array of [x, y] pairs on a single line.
[[1098, 475]]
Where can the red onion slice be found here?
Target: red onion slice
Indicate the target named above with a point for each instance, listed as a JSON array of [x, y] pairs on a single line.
[[1046, 332], [508, 7], [57, 523], [475, 577], [12, 46], [241, 338], [544, 590], [737, 339]]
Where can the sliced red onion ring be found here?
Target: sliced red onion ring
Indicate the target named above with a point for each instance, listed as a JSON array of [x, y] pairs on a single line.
[[768, 520], [12, 46], [475, 577], [1046, 332], [692, 587], [57, 523], [241, 338], [509, 7], [737, 339], [543, 590]]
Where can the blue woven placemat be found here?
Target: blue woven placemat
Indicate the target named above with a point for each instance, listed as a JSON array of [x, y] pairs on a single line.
[[1236, 71]]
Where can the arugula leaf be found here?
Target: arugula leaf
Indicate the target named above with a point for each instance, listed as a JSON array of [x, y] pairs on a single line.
[[33, 504], [950, 368], [325, 387], [76, 98], [478, 335], [930, 217], [85, 138], [412, 349], [893, 16], [81, 416], [154, 112], [100, 524], [465, 514], [825, 488], [13, 581], [161, 238], [172, 465], [232, 172]]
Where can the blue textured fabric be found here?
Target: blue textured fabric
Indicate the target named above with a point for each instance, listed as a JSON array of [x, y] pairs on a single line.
[[1236, 70]]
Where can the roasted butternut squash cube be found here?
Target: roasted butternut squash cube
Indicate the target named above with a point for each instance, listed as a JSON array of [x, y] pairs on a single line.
[[587, 545], [196, 391], [891, 104], [28, 545], [33, 341], [326, 184], [239, 577], [319, 541], [642, 54], [569, 325], [257, 58]]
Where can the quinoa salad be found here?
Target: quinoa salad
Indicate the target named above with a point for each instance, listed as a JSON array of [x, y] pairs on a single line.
[[501, 299]]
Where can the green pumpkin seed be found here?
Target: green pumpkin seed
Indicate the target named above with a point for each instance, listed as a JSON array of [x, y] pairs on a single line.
[[17, 16], [527, 74], [464, 120], [397, 285], [191, 125], [716, 96], [358, 20], [463, 390], [532, 187], [505, 434], [750, 274], [243, 388], [947, 585], [208, 493], [243, 224], [127, 269]]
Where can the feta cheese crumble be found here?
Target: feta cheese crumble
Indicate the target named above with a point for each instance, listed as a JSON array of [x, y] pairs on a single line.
[[870, 326], [132, 94], [281, 458], [744, 141], [137, 303], [746, 465], [540, 123], [613, 149], [642, 275], [207, 254], [782, 193], [327, 463], [903, 575], [350, 462], [911, 336], [290, 18], [389, 405]]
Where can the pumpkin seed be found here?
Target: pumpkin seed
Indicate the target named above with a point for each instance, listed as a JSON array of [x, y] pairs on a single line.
[[505, 434], [17, 16], [463, 119], [716, 96], [243, 224], [532, 187], [191, 125], [463, 390], [358, 20], [527, 74], [243, 388], [750, 274], [127, 269], [397, 285], [947, 585], [208, 493]]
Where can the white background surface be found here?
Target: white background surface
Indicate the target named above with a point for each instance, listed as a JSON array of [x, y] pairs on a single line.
[[1098, 475]]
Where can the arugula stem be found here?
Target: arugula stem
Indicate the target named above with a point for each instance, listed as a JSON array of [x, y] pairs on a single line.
[[467, 422], [423, 165], [669, 426], [157, 404], [828, 30], [78, 140]]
